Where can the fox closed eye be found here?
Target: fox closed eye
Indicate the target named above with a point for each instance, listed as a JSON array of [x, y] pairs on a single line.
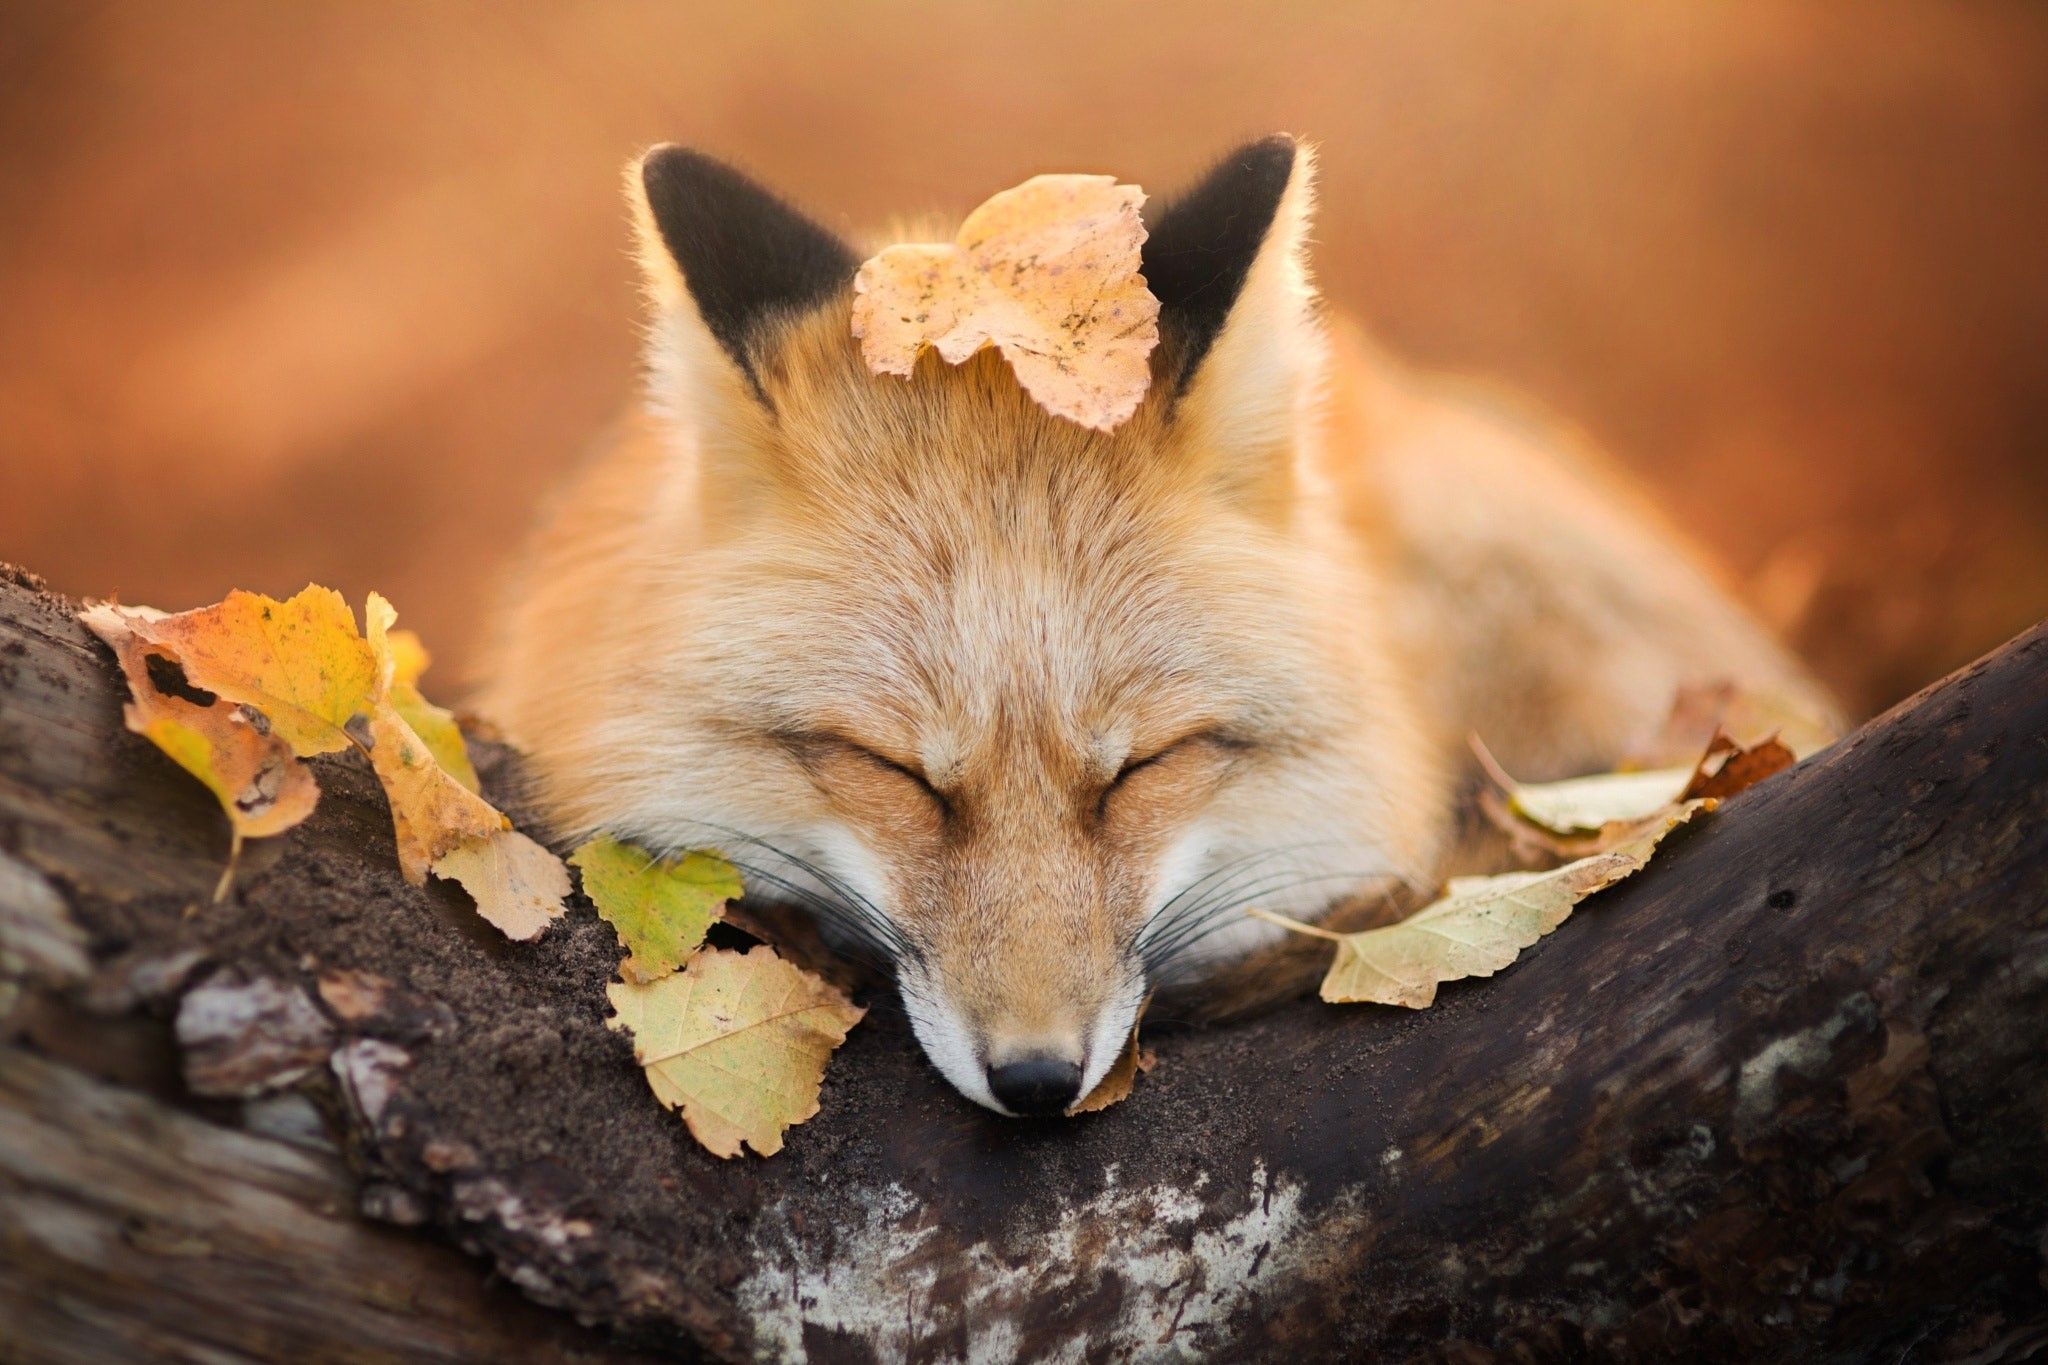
[[1204, 752], [851, 770], [922, 782]]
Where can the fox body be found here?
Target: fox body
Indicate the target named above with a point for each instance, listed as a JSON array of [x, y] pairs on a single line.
[[1030, 710]]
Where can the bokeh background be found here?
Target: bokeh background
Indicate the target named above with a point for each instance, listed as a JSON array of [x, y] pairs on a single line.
[[335, 291]]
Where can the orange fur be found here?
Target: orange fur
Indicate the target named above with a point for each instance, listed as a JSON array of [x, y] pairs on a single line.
[[911, 631]]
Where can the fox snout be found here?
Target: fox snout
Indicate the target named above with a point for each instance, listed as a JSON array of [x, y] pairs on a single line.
[[1021, 1043]]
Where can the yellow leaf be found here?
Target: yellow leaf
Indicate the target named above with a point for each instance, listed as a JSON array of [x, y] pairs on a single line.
[[408, 654], [300, 662], [401, 658], [431, 812], [661, 907], [1115, 1085], [1478, 926], [738, 1042], [1584, 804], [518, 886], [1047, 273], [260, 784]]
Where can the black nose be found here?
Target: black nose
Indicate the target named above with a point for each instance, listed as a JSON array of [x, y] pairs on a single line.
[[1036, 1086]]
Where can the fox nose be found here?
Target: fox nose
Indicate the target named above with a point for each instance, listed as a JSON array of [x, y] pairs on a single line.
[[1037, 1087]]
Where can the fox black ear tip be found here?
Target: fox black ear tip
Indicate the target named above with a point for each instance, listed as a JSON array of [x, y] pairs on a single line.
[[1273, 150], [677, 164]]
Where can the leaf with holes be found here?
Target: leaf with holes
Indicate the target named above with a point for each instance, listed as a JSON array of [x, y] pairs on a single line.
[[259, 782], [301, 662], [1048, 273]]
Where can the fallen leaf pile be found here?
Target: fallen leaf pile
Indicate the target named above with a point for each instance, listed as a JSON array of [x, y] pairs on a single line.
[[736, 1042], [251, 686], [1609, 824], [1048, 273], [240, 693]]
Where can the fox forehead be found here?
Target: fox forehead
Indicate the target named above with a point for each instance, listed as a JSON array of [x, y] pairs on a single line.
[[941, 567]]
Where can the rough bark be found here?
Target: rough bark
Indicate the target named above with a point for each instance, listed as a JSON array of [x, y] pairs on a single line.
[[1783, 1096]]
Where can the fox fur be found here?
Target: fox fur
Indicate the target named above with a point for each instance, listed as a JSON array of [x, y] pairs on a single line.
[[1029, 710]]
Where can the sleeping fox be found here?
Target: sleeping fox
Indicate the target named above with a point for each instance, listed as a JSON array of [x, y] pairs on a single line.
[[1030, 712]]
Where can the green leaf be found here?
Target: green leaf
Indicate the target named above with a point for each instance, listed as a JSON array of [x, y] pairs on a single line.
[[660, 907]]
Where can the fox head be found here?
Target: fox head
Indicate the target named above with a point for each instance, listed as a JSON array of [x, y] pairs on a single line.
[[1032, 711]]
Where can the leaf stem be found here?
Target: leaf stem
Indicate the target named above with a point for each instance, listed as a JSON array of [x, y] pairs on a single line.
[[1296, 926]]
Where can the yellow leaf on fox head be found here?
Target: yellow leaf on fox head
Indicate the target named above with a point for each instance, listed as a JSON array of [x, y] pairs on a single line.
[[1048, 273], [738, 1042], [259, 782], [300, 662]]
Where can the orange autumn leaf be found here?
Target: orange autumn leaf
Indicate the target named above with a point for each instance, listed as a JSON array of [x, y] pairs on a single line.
[[260, 784], [301, 662], [1728, 768], [1048, 273]]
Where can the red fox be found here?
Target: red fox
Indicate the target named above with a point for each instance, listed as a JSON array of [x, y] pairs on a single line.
[[1030, 712]]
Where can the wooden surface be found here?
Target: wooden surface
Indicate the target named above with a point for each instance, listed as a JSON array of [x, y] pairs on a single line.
[[133, 1232], [1780, 1097]]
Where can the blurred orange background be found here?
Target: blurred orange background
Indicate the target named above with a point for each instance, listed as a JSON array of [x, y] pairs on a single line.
[[334, 291]]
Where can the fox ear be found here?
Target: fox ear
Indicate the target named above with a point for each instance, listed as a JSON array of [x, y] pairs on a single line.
[[722, 257], [1237, 312]]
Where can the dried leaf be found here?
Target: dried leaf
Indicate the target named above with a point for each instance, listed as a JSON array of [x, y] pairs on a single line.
[[431, 813], [300, 662], [442, 825], [401, 658], [1738, 768], [738, 1042], [661, 907], [1478, 926], [1048, 273], [518, 885], [1582, 805], [260, 784], [1115, 1085]]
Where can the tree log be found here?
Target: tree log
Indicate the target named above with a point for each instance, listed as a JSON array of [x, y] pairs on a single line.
[[1782, 1096]]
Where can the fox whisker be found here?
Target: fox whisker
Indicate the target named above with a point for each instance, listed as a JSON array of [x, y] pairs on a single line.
[[831, 900], [1171, 949]]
